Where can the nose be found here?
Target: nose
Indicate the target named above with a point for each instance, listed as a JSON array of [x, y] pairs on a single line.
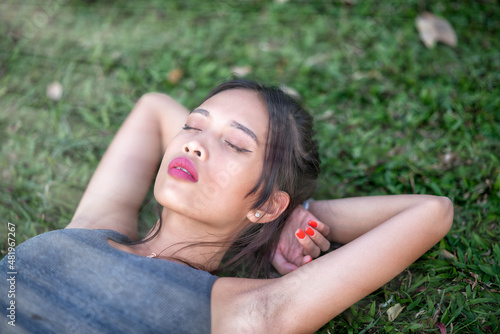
[[195, 147]]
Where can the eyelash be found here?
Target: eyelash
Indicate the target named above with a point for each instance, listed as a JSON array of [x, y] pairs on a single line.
[[235, 148], [187, 127]]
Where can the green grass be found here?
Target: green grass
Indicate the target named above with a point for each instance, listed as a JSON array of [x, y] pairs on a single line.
[[392, 117]]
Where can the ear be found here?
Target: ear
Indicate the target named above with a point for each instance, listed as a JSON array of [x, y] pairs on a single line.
[[271, 210]]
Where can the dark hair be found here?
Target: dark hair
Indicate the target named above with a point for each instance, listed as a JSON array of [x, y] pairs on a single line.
[[291, 164]]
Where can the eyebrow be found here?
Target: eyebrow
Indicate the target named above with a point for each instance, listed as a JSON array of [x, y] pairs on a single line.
[[233, 124]]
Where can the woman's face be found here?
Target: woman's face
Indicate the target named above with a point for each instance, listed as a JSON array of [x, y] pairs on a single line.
[[216, 159]]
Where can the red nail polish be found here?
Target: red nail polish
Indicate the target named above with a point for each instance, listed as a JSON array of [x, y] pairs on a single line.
[[300, 233], [309, 231], [313, 223]]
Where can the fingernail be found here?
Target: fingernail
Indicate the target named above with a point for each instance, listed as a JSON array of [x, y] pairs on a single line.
[[300, 233], [313, 223], [309, 231]]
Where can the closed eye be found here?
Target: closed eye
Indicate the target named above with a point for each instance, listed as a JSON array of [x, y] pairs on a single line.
[[233, 147], [187, 127], [236, 148]]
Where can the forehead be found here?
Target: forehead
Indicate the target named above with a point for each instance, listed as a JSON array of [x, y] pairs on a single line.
[[241, 105]]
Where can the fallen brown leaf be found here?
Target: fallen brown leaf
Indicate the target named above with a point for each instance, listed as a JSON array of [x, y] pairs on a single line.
[[175, 75], [54, 91], [447, 255], [435, 315], [422, 311], [442, 327], [241, 71], [290, 91], [394, 311], [434, 29]]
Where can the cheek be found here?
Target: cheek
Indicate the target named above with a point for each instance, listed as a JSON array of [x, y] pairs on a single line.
[[160, 185], [226, 186], [225, 176]]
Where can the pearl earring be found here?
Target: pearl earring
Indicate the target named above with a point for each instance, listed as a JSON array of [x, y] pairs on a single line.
[[257, 214]]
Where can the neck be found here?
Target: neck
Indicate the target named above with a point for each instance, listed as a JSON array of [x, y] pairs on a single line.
[[187, 240]]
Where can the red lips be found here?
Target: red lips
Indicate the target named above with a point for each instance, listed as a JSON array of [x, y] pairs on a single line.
[[183, 168]]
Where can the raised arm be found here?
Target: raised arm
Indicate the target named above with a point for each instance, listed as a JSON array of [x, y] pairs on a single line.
[[117, 189], [339, 220], [392, 232], [349, 218]]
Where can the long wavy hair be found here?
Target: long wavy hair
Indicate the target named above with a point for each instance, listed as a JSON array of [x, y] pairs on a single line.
[[291, 164]]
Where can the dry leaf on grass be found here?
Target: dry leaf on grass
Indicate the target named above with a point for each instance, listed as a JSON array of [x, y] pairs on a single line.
[[442, 327], [241, 71], [434, 29], [394, 311], [447, 255], [175, 75], [54, 91], [292, 92]]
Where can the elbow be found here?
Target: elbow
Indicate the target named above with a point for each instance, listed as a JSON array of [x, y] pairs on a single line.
[[442, 210], [448, 213], [152, 100]]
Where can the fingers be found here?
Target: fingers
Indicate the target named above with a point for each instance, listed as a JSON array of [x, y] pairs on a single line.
[[282, 265], [306, 259], [318, 238], [312, 241], [307, 243], [320, 227]]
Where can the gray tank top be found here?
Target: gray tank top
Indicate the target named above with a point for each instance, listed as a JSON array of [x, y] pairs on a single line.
[[74, 281]]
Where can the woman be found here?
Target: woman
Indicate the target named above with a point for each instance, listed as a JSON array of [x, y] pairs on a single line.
[[233, 174]]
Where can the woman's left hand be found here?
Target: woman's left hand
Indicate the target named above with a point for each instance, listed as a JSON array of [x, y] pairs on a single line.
[[302, 239]]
